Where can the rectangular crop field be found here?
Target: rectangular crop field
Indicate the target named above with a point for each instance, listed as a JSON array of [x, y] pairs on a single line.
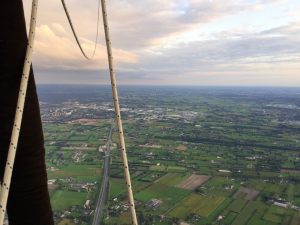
[[75, 171], [257, 219], [172, 169], [172, 179], [167, 194], [246, 214], [296, 219], [230, 217], [237, 205], [272, 217], [61, 200], [198, 204], [118, 186]]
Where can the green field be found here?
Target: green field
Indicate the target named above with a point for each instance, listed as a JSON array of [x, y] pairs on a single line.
[[246, 214], [201, 205], [61, 200], [272, 217], [237, 205], [296, 219], [117, 187], [124, 218], [230, 217], [167, 194], [172, 179], [164, 168], [75, 171]]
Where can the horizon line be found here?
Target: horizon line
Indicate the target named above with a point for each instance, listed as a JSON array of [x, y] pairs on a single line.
[[172, 85]]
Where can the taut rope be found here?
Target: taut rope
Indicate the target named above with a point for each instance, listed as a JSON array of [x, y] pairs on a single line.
[[117, 113], [18, 116], [21, 101]]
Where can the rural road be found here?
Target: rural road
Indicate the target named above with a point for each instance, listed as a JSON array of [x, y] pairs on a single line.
[[104, 185]]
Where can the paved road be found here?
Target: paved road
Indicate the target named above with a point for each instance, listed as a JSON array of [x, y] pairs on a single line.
[[103, 191]]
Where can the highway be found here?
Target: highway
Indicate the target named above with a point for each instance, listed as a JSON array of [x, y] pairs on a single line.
[[104, 185]]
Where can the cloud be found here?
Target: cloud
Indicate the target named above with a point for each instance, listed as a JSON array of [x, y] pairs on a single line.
[[173, 41], [252, 56], [136, 24], [54, 49], [275, 43]]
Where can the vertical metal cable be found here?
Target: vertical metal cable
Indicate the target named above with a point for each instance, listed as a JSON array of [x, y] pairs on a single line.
[[117, 114], [18, 116]]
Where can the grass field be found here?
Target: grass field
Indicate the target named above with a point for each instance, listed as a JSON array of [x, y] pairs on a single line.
[[296, 219], [151, 176], [162, 168], [172, 179], [278, 215], [218, 211], [257, 219], [61, 200], [230, 217], [198, 204], [167, 194], [117, 186], [87, 178], [75, 171], [160, 191], [246, 214], [277, 210], [272, 217], [124, 218], [216, 186], [274, 188], [237, 205]]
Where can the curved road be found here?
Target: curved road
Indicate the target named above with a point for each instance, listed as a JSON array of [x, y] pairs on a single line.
[[104, 185]]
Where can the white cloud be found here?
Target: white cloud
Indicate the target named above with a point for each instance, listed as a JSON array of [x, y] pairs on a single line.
[[54, 49], [175, 40]]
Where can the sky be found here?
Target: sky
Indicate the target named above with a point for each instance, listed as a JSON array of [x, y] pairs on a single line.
[[172, 42]]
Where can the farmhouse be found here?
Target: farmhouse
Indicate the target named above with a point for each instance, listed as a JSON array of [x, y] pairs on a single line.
[[154, 203], [224, 171], [284, 205]]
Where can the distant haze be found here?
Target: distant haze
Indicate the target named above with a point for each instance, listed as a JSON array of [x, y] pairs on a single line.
[[173, 42]]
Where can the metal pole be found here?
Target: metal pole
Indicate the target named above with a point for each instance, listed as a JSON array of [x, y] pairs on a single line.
[[117, 114], [18, 116]]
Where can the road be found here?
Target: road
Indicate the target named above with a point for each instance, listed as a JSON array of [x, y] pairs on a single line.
[[104, 185]]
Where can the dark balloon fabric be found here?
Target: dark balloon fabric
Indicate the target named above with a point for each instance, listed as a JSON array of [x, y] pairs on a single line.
[[28, 202]]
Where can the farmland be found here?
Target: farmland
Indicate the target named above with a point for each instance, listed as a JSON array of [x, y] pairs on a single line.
[[196, 204], [196, 155]]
